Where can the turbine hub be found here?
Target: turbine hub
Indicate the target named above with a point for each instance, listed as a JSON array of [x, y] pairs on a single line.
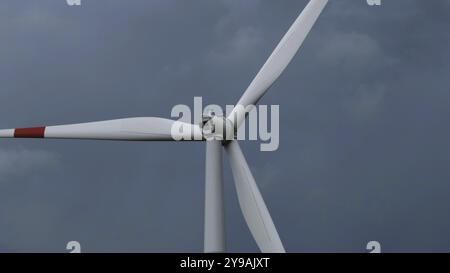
[[217, 128]]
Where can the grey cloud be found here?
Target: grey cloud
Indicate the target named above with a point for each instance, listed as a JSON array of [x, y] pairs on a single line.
[[238, 49], [364, 141], [23, 162], [365, 101], [350, 51]]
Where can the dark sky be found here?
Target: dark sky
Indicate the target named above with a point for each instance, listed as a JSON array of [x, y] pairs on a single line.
[[364, 136]]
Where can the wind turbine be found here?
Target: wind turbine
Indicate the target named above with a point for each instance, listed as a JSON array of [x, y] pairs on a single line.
[[218, 132]]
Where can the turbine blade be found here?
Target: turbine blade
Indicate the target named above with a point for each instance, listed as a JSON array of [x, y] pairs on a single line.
[[252, 204], [141, 128], [278, 60], [214, 200]]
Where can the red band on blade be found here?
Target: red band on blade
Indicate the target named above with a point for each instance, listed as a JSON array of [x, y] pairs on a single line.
[[36, 132]]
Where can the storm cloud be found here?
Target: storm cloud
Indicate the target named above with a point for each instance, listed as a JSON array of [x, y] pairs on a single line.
[[364, 136]]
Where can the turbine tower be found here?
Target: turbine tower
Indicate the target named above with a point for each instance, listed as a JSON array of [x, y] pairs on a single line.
[[218, 132]]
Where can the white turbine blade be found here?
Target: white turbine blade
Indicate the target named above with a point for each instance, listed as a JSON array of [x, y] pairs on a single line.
[[142, 128], [252, 204], [278, 60]]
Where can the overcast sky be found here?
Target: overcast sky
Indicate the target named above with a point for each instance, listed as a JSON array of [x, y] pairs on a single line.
[[364, 109]]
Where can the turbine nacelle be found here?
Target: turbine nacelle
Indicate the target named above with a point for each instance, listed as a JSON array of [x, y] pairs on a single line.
[[217, 128]]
